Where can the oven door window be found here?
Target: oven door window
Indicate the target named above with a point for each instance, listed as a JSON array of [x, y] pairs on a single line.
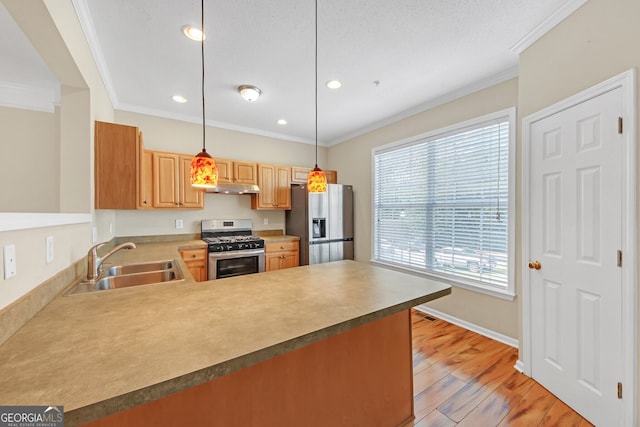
[[236, 266]]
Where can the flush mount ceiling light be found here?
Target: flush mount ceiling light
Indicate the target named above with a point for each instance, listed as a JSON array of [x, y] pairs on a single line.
[[193, 33], [204, 172], [180, 99], [317, 179], [282, 122], [333, 84], [249, 93]]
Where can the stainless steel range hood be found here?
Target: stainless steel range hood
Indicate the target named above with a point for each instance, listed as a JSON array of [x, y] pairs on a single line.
[[224, 188]]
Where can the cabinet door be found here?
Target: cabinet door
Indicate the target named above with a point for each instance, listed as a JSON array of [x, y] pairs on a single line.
[[166, 177], [245, 172], [266, 180], [272, 262], [299, 174], [283, 187], [190, 196], [290, 259], [145, 198], [116, 166], [196, 260], [225, 170]]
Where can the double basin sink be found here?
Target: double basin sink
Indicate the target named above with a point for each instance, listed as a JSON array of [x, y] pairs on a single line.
[[128, 275]]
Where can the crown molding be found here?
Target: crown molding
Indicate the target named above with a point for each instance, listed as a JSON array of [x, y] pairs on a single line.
[[82, 11], [30, 97], [558, 16]]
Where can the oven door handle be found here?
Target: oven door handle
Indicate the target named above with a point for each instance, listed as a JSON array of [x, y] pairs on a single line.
[[237, 254]]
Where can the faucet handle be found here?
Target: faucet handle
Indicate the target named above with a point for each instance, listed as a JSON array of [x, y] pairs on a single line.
[[95, 248]]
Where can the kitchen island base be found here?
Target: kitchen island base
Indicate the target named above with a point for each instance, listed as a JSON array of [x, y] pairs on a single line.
[[361, 377]]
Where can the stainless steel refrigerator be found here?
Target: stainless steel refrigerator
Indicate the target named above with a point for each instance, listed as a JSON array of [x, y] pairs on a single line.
[[323, 221]]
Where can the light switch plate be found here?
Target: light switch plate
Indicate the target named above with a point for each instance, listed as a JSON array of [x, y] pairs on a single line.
[[9, 261]]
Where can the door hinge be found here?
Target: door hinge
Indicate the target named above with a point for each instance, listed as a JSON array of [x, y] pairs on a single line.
[[619, 258], [619, 390], [620, 125]]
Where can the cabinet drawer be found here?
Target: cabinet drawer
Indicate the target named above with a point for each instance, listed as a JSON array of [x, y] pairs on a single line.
[[290, 245], [193, 254]]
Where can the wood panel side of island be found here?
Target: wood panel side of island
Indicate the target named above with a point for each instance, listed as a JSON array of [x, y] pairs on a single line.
[[362, 377]]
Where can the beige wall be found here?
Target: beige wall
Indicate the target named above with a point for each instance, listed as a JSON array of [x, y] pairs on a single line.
[[56, 34], [496, 314], [29, 154]]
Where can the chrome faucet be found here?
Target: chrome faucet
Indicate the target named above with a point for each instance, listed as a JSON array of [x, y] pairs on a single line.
[[95, 261]]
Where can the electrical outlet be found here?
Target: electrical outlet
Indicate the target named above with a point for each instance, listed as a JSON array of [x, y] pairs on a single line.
[[94, 234], [110, 228], [179, 223], [265, 221], [49, 249], [9, 261]]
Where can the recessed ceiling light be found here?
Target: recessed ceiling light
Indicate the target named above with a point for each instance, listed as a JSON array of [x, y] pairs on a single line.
[[193, 33], [333, 84], [180, 99], [282, 122]]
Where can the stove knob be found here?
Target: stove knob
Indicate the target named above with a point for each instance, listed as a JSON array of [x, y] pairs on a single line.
[[229, 247]]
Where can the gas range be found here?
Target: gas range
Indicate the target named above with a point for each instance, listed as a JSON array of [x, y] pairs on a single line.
[[233, 243], [230, 235], [233, 250]]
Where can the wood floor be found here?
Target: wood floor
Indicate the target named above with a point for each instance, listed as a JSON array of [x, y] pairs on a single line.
[[465, 379]]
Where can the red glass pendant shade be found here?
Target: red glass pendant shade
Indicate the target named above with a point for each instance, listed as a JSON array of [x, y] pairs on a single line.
[[204, 172], [317, 181]]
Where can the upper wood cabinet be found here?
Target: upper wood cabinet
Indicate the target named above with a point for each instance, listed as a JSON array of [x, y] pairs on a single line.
[[171, 182], [118, 153], [275, 188], [299, 175], [145, 180], [237, 172]]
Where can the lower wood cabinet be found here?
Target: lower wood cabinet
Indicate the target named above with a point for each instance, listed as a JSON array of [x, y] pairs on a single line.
[[196, 260], [282, 254]]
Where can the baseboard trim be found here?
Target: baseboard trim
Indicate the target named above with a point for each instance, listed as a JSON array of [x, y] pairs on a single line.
[[512, 342], [519, 366]]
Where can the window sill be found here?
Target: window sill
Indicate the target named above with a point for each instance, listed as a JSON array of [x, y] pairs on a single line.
[[486, 290]]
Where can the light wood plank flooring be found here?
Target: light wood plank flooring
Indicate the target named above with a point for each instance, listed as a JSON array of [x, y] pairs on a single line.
[[465, 379]]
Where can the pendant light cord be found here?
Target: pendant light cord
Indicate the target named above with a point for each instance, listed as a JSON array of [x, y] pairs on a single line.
[[202, 58], [316, 80]]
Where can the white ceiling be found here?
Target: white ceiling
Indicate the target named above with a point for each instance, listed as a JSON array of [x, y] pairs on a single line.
[[422, 52]]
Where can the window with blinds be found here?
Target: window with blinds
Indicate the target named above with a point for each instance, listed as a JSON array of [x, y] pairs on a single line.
[[442, 203]]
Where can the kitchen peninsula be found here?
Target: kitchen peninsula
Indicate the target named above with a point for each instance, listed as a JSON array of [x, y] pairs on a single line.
[[327, 344]]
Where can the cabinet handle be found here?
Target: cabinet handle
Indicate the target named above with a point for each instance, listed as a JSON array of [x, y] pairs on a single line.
[[193, 256], [281, 247]]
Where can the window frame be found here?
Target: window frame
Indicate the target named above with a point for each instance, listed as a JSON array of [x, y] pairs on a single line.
[[509, 114]]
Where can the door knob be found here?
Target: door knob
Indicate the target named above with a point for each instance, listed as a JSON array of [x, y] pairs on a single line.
[[535, 265]]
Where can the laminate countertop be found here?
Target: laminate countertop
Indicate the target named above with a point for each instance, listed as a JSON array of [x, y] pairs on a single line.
[[104, 352]]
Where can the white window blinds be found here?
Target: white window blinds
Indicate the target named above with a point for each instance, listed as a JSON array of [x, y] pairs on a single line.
[[441, 204]]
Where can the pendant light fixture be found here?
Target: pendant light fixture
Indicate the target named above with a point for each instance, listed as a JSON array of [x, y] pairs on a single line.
[[317, 180], [204, 172]]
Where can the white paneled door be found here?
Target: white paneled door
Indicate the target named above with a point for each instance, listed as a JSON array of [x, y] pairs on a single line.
[[575, 232]]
